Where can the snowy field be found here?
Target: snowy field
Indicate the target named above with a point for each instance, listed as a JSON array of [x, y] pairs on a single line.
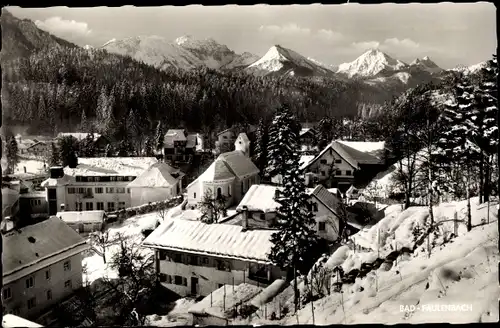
[[32, 166], [178, 316], [463, 272]]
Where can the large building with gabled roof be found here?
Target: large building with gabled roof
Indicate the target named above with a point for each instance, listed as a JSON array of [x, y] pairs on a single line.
[[42, 266]]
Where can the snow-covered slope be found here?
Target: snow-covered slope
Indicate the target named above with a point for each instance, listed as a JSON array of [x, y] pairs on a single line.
[[470, 69], [208, 51], [286, 61], [371, 63], [426, 64], [155, 51], [241, 61]]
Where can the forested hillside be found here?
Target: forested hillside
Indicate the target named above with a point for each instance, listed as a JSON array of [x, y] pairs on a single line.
[[62, 87]]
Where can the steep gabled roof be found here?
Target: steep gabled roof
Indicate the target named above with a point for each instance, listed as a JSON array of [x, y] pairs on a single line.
[[33, 247], [158, 175], [326, 198], [260, 197], [337, 149], [239, 164], [174, 135], [217, 171]]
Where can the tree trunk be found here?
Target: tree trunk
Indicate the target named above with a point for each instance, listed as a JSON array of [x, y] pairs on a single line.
[[295, 289], [481, 178], [487, 179], [467, 189], [431, 214]]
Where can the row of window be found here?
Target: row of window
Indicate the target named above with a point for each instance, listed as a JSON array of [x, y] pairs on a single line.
[[89, 206], [30, 281], [195, 260], [31, 303], [98, 190], [35, 202], [337, 172], [176, 280], [103, 179]]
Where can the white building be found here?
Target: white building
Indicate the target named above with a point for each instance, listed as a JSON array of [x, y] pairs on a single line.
[[95, 183], [242, 144], [257, 210], [194, 258], [159, 182], [83, 222], [231, 175]]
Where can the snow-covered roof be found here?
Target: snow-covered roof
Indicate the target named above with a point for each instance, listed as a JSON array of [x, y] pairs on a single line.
[[221, 240], [77, 135], [33, 247], [12, 321], [222, 300], [304, 160], [374, 148], [327, 198], [332, 147], [259, 197], [243, 137], [106, 166], [52, 182], [241, 166], [174, 135], [33, 194], [303, 131], [81, 217], [158, 175], [40, 143], [217, 171]]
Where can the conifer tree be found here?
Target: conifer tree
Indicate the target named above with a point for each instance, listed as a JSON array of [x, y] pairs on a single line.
[[12, 153], [68, 148], [54, 155], [149, 147], [325, 132], [110, 151], [87, 146], [295, 240], [282, 143], [260, 150], [159, 136]]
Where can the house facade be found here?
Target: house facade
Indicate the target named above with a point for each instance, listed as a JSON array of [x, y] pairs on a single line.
[[34, 201], [42, 266], [225, 140], [39, 149], [338, 166], [194, 258], [159, 182], [179, 146], [257, 210], [230, 175], [307, 140], [94, 183]]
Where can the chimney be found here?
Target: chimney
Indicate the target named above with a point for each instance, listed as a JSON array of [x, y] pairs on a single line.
[[62, 207], [245, 217], [24, 167], [8, 224], [277, 193]]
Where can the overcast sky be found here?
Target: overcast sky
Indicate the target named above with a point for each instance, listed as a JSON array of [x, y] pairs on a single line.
[[451, 34]]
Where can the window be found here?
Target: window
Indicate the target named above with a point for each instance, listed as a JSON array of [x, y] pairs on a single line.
[[322, 173], [193, 260], [110, 190], [169, 279], [78, 206], [322, 226], [49, 295], [67, 284], [315, 207], [6, 293], [31, 303], [128, 190], [178, 280], [111, 206], [98, 190], [120, 190], [119, 178], [178, 258], [348, 173], [89, 206], [100, 206], [223, 266], [67, 266], [130, 178], [338, 172], [323, 161], [47, 274], [78, 179], [262, 216], [121, 205], [338, 161], [81, 190], [162, 277], [162, 255], [112, 178], [205, 260], [30, 282], [184, 281], [229, 191], [219, 192], [194, 195], [71, 190]]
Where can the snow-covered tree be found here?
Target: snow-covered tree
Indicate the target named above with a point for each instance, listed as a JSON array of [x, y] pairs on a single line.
[[159, 136], [282, 143], [109, 150], [326, 132], [87, 146], [68, 148], [260, 150], [12, 153], [213, 207], [149, 147], [54, 155]]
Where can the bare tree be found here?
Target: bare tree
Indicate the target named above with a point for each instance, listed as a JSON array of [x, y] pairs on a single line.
[[100, 242], [213, 207], [320, 278], [162, 210]]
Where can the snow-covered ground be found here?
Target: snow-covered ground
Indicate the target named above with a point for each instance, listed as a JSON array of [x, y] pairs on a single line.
[[178, 316], [131, 229], [462, 273], [31, 165]]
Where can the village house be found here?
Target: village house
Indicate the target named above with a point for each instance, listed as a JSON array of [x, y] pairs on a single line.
[[257, 210], [159, 182], [230, 175], [83, 222], [342, 164], [98, 183], [195, 258], [179, 146], [225, 140], [42, 266], [100, 141], [307, 140], [39, 149], [33, 202]]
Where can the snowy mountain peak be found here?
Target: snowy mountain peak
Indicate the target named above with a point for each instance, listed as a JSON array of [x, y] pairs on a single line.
[[370, 63], [426, 64], [110, 41], [426, 58], [183, 39]]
